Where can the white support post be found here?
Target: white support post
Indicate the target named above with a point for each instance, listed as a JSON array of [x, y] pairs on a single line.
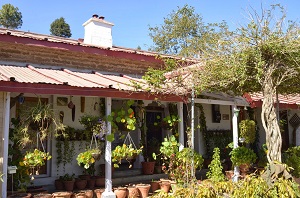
[[5, 143], [108, 193], [235, 113], [180, 125]]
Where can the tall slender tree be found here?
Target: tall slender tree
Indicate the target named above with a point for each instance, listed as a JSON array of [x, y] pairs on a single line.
[[59, 27], [10, 17]]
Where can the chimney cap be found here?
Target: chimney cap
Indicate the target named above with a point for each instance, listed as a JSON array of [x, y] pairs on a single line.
[[101, 17], [95, 16]]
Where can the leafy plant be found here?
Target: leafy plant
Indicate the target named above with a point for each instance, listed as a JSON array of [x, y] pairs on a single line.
[[68, 177], [36, 158], [122, 119], [94, 125], [87, 158], [242, 155], [126, 152], [247, 130], [169, 122], [35, 120], [215, 167], [292, 159]]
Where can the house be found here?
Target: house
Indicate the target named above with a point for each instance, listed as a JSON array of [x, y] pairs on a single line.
[[85, 71]]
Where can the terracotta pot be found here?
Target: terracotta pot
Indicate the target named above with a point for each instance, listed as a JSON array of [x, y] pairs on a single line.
[[155, 185], [98, 192], [158, 169], [85, 177], [69, 185], [229, 174], [244, 168], [80, 184], [88, 193], [165, 186], [133, 192], [61, 195], [20, 195], [121, 192], [99, 181], [174, 186], [143, 190], [80, 195], [91, 183], [42, 196], [59, 184], [148, 168]]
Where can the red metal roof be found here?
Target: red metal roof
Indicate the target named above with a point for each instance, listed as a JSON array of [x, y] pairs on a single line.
[[285, 101], [52, 81]]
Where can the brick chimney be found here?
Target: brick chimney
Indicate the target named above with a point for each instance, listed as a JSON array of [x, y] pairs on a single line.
[[98, 32]]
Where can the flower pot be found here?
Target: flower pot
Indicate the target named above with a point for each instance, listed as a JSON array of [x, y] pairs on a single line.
[[91, 183], [99, 181], [157, 169], [120, 192], [80, 184], [244, 168], [69, 185], [155, 185], [88, 193], [133, 192], [85, 177], [59, 184], [165, 186], [148, 168], [80, 195], [143, 190], [229, 174], [174, 186], [98, 192], [61, 195], [42, 196]]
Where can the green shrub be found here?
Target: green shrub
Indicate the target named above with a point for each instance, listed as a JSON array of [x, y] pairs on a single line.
[[215, 167], [292, 159], [242, 155]]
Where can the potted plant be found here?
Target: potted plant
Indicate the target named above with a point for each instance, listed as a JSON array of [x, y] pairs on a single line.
[[69, 181], [243, 157], [87, 158], [247, 130], [126, 152], [35, 121], [35, 159]]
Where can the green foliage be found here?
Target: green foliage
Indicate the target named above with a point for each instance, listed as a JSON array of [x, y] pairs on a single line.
[[93, 125], [1, 177], [60, 28], [126, 152], [10, 17], [247, 130], [87, 158], [123, 119], [215, 167], [292, 159], [242, 155], [169, 146], [68, 177], [37, 119], [35, 158]]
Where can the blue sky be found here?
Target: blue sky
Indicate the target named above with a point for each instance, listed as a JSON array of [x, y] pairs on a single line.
[[132, 18]]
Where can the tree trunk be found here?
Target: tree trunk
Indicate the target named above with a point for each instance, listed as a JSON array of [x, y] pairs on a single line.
[[270, 123]]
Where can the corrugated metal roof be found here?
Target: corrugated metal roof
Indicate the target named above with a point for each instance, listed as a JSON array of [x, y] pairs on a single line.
[[30, 74], [288, 99]]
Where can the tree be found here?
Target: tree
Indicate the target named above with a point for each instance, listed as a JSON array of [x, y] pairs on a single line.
[[184, 33], [60, 28], [10, 17], [261, 56]]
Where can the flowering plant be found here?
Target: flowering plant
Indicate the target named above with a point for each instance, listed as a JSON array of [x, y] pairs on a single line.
[[36, 158], [94, 125], [124, 152], [87, 158]]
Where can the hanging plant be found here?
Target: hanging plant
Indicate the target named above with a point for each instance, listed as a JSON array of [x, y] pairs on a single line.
[[87, 158], [247, 130], [37, 119], [127, 152], [123, 119]]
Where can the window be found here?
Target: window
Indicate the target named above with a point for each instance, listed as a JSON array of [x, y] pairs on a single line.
[[216, 115]]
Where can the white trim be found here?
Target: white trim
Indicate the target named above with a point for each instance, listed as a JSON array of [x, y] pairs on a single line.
[[5, 142], [108, 193], [180, 125], [221, 102]]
